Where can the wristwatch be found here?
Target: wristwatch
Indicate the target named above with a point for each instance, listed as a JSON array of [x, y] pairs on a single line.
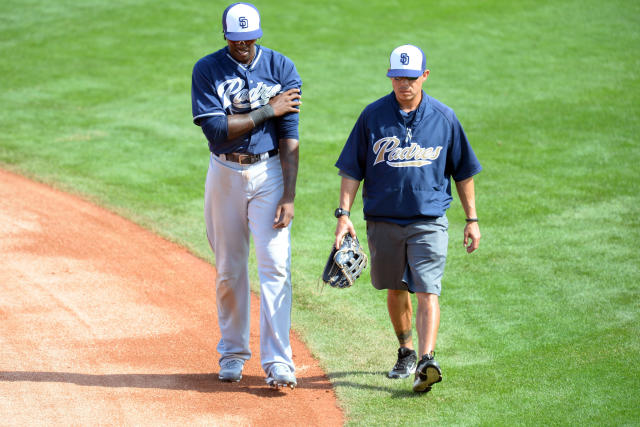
[[339, 212]]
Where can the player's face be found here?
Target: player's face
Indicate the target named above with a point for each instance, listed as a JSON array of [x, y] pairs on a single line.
[[242, 51], [408, 90]]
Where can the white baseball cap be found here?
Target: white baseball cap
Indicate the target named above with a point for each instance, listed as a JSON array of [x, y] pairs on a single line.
[[241, 21], [407, 61]]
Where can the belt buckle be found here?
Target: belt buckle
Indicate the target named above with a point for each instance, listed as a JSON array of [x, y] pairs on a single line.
[[246, 159]]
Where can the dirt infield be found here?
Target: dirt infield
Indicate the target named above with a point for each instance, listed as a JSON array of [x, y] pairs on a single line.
[[104, 323]]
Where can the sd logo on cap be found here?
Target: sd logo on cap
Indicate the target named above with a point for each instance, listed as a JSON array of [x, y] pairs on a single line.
[[241, 21], [407, 61]]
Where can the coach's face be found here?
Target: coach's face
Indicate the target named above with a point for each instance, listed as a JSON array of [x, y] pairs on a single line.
[[409, 90], [242, 51]]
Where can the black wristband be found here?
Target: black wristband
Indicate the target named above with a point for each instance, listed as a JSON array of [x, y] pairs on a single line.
[[262, 114], [472, 220]]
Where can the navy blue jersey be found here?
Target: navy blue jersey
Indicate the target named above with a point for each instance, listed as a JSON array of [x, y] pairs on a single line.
[[222, 86], [407, 160]]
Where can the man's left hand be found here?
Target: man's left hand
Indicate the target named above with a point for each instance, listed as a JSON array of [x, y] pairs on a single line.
[[471, 236], [284, 214]]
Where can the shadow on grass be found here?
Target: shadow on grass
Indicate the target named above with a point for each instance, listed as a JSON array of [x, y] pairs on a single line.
[[369, 380], [204, 383]]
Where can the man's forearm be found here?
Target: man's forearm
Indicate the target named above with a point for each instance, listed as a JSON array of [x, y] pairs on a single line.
[[348, 190], [238, 125], [466, 192], [289, 155]]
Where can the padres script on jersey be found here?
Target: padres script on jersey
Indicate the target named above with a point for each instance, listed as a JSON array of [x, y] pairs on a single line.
[[403, 157], [407, 160], [233, 93]]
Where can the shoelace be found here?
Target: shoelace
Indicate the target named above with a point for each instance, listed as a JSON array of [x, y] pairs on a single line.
[[281, 370], [402, 362], [231, 364]]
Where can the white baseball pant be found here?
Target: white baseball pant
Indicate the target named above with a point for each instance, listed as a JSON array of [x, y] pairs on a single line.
[[241, 201]]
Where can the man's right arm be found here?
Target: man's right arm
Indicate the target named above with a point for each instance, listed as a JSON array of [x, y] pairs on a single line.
[[348, 190], [221, 128]]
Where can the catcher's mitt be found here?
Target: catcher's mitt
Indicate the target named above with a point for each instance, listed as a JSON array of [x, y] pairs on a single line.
[[344, 265]]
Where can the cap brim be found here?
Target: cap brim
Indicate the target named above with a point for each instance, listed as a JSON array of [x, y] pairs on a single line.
[[245, 35], [404, 73]]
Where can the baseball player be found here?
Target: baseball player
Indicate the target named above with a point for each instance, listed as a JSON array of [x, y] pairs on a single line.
[[246, 99], [406, 146]]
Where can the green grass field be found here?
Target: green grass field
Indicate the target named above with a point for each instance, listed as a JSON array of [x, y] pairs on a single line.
[[539, 327]]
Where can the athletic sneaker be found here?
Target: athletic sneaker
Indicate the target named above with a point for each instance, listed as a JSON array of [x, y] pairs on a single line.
[[427, 374], [231, 369], [406, 364], [281, 376]]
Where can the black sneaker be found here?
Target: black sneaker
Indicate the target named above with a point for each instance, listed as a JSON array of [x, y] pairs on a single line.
[[406, 364], [427, 374]]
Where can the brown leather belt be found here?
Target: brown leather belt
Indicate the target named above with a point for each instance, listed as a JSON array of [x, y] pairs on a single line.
[[246, 158]]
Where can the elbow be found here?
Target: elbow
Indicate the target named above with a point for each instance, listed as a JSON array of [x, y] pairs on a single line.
[[215, 129]]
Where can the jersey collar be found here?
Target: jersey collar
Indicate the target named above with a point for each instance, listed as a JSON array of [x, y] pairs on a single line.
[[253, 64], [420, 111]]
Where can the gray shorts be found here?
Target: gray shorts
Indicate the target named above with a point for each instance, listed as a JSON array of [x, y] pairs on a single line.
[[411, 257]]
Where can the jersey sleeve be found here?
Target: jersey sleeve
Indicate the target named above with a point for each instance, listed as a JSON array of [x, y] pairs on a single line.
[[352, 160], [204, 100], [462, 162], [288, 124]]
